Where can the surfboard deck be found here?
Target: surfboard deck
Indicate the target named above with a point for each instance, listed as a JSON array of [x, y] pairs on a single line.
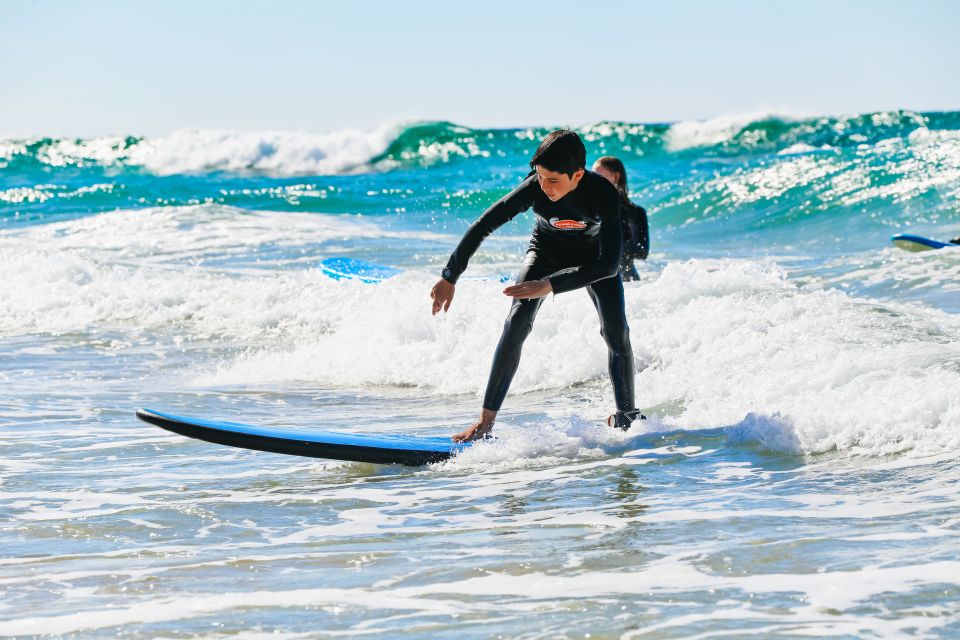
[[910, 242], [375, 448]]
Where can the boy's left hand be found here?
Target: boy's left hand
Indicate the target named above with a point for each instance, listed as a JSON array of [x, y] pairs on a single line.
[[530, 289]]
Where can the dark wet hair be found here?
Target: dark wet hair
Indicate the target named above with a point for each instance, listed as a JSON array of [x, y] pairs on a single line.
[[613, 164], [561, 151]]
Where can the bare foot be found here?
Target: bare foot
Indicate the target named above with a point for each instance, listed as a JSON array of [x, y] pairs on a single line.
[[479, 429]]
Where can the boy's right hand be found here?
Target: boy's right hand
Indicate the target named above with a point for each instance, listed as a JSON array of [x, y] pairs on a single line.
[[442, 295]]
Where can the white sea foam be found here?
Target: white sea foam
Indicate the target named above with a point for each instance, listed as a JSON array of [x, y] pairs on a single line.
[[802, 148], [196, 232], [825, 596], [690, 134], [126, 269], [718, 343], [73, 152], [930, 273], [272, 152], [726, 341], [282, 153]]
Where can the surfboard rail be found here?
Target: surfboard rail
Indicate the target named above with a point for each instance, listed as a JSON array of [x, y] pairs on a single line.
[[377, 449]]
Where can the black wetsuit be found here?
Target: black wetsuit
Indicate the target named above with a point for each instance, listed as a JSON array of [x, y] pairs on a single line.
[[636, 237], [577, 242]]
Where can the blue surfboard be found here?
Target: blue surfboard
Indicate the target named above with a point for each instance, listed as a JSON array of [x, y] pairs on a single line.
[[340, 268], [910, 242], [355, 269], [379, 449]]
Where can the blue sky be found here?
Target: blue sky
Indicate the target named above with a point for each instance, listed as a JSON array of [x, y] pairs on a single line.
[[101, 67]]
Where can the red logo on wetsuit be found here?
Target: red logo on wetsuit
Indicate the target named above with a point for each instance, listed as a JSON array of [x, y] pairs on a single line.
[[567, 225]]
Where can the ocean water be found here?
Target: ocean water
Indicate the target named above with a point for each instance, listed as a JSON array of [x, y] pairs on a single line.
[[798, 476]]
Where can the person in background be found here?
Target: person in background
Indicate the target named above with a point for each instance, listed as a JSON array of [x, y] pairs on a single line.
[[636, 231]]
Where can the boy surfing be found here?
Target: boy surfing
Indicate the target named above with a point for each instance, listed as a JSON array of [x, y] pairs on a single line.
[[577, 243]]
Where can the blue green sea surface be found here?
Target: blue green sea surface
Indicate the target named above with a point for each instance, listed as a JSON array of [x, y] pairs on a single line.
[[798, 475]]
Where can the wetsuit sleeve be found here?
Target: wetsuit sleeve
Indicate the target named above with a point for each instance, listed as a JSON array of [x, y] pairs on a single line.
[[631, 230], [501, 212], [636, 231], [611, 247], [643, 244]]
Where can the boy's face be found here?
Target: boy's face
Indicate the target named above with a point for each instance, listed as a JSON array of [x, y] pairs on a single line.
[[556, 185]]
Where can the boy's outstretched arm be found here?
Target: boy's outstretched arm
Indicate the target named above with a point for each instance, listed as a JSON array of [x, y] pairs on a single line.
[[501, 212]]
